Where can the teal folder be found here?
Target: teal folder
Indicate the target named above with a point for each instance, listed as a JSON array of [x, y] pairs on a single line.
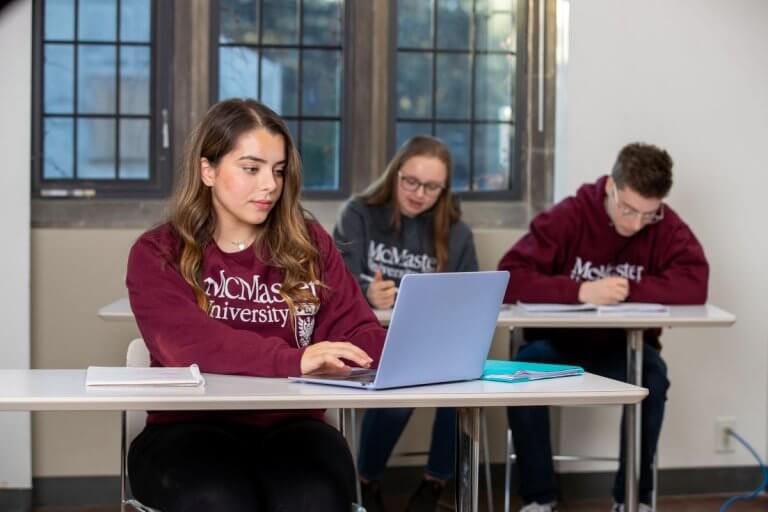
[[515, 371]]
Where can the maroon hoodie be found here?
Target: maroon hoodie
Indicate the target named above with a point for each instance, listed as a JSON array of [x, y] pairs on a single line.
[[575, 241], [247, 330]]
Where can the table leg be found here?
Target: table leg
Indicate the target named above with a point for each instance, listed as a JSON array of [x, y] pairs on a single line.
[[632, 420], [467, 457], [348, 427], [123, 459]]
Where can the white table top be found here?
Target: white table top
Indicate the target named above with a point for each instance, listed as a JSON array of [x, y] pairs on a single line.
[[513, 316], [118, 310], [59, 390], [679, 316]]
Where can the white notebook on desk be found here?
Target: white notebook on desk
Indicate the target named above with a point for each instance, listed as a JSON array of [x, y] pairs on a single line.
[[624, 308], [144, 376]]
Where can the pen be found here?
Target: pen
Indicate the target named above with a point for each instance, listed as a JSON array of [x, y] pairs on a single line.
[[366, 277]]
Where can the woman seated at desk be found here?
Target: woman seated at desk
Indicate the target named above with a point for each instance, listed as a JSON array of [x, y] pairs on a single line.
[[241, 281], [406, 222]]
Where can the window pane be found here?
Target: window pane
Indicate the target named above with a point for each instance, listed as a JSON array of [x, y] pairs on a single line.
[[322, 22], [414, 84], [58, 141], [494, 87], [134, 149], [59, 79], [320, 154], [59, 19], [281, 21], [293, 128], [496, 29], [453, 88], [457, 137], [135, 20], [134, 79], [238, 73], [453, 24], [97, 20], [407, 130], [96, 79], [280, 81], [321, 84], [493, 153], [414, 24], [96, 148], [239, 21]]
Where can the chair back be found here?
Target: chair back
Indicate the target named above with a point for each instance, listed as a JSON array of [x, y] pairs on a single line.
[[136, 357]]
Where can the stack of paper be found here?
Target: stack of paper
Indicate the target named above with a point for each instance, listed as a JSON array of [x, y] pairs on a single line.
[[144, 376], [634, 308], [629, 308], [555, 308], [515, 371]]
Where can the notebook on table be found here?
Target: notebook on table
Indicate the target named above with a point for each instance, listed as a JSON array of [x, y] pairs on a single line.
[[518, 371], [623, 308], [440, 330], [107, 376]]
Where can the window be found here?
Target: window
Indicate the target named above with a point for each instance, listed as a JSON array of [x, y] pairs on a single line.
[[289, 55], [100, 104], [456, 80]]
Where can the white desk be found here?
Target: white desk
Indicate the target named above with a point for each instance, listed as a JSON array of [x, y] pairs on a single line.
[[515, 317], [118, 310], [60, 390], [634, 325]]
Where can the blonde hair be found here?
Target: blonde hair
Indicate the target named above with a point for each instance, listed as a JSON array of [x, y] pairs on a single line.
[[285, 238], [446, 212]]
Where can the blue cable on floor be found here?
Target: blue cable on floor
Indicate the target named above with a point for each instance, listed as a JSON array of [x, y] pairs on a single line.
[[747, 497]]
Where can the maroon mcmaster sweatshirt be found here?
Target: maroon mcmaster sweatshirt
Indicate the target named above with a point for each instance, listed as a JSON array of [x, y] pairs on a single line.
[[575, 241], [247, 330]]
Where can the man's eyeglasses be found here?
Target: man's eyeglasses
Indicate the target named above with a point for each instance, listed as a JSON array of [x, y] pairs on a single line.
[[627, 211], [412, 184]]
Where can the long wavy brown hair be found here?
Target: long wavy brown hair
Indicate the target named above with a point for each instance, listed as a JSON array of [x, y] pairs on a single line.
[[285, 237], [445, 210]]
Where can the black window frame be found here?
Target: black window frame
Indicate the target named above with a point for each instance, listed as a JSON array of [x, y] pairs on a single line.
[[345, 134], [161, 115], [516, 190]]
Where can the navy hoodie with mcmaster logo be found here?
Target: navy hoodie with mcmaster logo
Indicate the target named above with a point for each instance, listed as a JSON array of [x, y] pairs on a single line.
[[575, 241], [368, 243]]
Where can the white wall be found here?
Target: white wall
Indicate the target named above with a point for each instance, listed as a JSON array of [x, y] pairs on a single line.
[[690, 76], [15, 32]]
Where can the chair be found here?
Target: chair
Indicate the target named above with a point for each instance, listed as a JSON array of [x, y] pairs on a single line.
[[515, 341], [132, 423]]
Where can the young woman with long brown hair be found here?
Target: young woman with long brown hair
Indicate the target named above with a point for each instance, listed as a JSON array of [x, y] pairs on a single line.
[[242, 281], [405, 222]]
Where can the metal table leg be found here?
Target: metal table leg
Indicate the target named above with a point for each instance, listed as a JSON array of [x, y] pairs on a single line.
[[467, 457], [632, 420]]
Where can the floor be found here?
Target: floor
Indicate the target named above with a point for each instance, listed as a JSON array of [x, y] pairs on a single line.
[[667, 504]]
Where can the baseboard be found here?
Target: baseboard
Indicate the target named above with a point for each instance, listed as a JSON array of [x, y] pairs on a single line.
[[62, 491], [105, 490], [15, 500], [595, 485]]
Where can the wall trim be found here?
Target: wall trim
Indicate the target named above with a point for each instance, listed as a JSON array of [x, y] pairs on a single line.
[[105, 490]]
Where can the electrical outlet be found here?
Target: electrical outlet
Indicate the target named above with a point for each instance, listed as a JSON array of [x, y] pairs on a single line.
[[724, 443]]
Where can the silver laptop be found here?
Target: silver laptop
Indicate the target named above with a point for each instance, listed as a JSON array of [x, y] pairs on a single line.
[[440, 331]]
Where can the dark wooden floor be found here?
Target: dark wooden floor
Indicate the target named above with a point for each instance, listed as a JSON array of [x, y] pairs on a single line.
[[668, 504]]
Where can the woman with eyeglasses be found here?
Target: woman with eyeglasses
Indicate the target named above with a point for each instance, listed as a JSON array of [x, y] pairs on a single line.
[[405, 222]]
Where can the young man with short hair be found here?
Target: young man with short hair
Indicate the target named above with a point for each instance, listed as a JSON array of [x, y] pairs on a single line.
[[614, 241]]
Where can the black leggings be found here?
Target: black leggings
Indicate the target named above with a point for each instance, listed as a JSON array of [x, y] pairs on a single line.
[[300, 466]]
